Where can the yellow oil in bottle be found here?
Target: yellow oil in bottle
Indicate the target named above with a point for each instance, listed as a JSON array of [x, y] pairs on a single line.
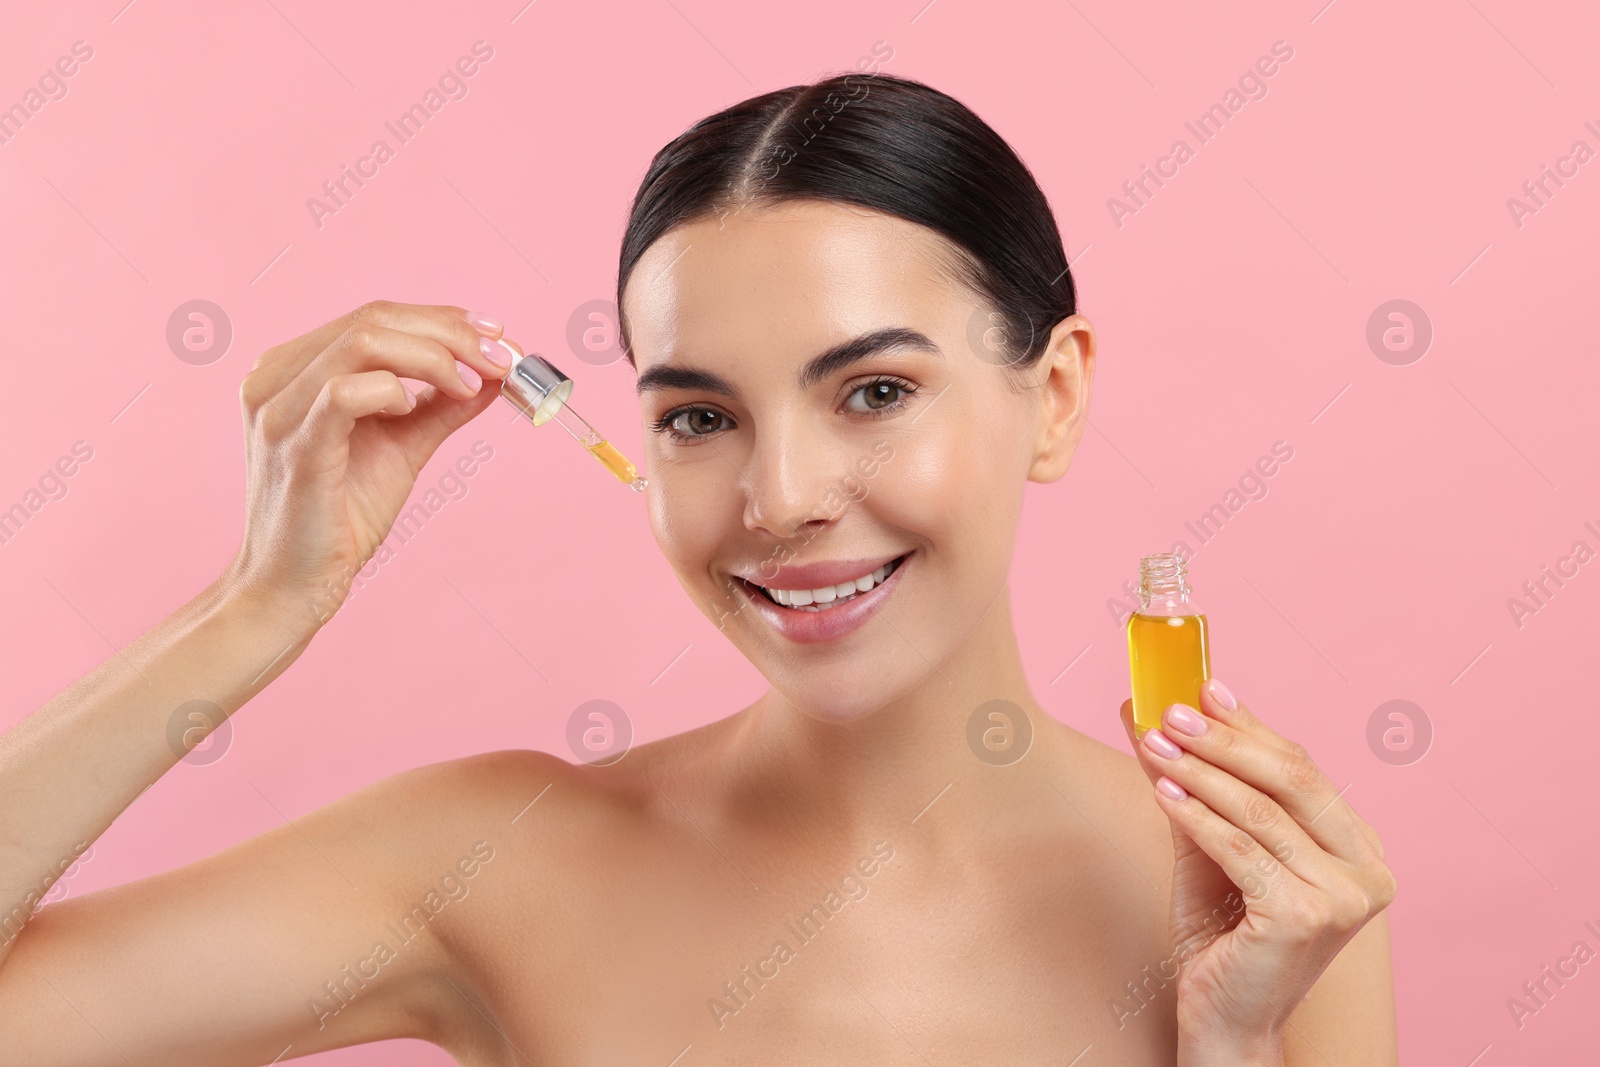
[[1169, 656], [615, 461]]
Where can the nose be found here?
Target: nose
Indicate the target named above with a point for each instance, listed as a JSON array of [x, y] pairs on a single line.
[[791, 481]]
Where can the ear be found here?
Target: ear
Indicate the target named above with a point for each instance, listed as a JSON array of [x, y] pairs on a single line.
[[1064, 374]]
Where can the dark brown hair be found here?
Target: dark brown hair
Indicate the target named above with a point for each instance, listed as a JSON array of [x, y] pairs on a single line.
[[888, 144]]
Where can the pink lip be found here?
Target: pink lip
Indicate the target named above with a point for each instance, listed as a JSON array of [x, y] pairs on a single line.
[[817, 575], [830, 624]]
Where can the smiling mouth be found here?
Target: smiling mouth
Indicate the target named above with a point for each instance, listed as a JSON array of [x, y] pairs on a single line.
[[827, 597]]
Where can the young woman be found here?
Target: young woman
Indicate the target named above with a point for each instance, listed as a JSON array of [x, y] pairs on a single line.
[[856, 340]]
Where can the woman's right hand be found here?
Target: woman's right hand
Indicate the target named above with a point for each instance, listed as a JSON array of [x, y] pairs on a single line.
[[334, 441]]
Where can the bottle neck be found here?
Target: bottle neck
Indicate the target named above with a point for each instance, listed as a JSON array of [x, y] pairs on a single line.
[[1163, 586]]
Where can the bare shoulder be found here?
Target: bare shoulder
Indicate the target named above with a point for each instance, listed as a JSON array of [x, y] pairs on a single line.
[[1111, 790], [541, 806], [1349, 1015], [512, 818], [561, 821], [506, 796]]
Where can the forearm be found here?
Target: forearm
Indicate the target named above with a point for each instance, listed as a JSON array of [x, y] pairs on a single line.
[[69, 769]]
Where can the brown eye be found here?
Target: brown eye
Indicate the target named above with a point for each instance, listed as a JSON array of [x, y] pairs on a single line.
[[693, 422], [881, 396]]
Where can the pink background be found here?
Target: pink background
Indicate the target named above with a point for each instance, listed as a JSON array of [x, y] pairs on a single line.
[[1232, 311]]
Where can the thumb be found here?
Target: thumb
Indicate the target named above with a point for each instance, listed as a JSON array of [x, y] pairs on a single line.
[[1126, 714], [438, 415]]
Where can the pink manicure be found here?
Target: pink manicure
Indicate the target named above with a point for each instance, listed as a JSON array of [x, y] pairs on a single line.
[[1170, 788], [493, 352], [1184, 720], [469, 376], [1223, 696], [1161, 744], [483, 323]]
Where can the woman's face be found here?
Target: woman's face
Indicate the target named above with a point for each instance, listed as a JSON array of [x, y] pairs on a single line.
[[771, 467]]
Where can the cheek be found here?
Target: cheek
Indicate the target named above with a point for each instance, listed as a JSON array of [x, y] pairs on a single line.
[[690, 513], [960, 490], [965, 473]]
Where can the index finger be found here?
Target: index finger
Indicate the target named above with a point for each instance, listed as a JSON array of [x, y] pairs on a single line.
[[1215, 699], [1218, 701], [445, 323], [1126, 714]]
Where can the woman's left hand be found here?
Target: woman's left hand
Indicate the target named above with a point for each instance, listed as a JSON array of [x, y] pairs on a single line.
[[1274, 873]]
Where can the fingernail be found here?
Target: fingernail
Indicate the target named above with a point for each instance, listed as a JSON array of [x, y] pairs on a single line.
[[1170, 788], [484, 323], [469, 376], [411, 398], [493, 352], [1223, 695], [1161, 744], [1184, 720]]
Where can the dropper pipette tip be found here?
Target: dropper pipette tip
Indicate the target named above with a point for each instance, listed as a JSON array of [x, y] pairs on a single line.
[[590, 438]]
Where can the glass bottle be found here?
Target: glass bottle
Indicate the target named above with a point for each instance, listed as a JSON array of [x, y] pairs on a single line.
[[1169, 653]]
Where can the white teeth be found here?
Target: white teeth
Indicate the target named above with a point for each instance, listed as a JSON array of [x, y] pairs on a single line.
[[816, 599]]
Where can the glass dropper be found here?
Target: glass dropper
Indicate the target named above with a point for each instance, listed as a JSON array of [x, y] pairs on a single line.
[[539, 392]]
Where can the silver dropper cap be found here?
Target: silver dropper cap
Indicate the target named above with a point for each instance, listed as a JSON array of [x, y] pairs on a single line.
[[535, 386]]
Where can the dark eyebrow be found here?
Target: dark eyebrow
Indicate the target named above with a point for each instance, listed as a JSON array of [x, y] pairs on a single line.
[[834, 359]]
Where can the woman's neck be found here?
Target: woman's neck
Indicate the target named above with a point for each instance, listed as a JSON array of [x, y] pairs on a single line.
[[889, 764]]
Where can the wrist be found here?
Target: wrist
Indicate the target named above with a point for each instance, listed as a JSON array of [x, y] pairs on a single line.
[[1264, 1050], [244, 594], [271, 613]]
